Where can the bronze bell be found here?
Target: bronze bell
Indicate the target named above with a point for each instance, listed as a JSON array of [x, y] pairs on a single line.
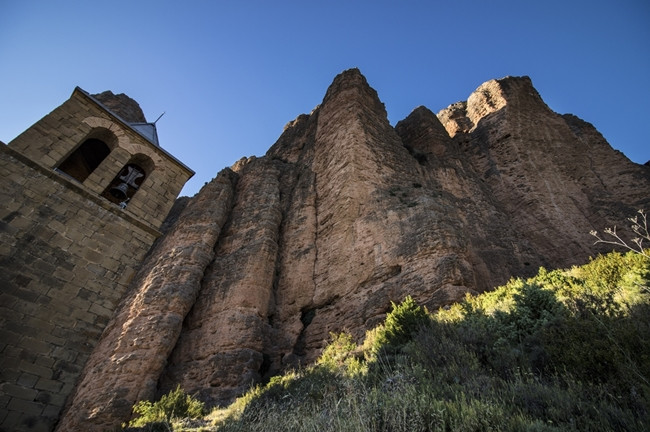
[[129, 177], [120, 190]]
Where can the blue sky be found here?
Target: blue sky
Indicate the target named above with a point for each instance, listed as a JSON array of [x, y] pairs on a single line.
[[231, 74]]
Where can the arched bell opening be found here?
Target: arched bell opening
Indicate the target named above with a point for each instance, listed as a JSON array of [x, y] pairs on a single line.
[[85, 159], [88, 155], [129, 180]]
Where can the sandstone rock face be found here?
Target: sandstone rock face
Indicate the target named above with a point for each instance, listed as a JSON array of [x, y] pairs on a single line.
[[554, 177], [343, 215], [122, 105]]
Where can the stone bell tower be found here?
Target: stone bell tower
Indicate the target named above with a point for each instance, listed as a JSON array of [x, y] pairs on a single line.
[[83, 193]]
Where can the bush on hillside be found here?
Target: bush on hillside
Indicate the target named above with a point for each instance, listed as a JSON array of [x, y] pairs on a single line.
[[158, 415], [401, 324]]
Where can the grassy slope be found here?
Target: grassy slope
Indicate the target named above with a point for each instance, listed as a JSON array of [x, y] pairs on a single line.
[[565, 350]]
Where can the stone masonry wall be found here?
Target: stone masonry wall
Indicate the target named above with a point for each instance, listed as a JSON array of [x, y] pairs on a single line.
[[66, 258], [67, 254]]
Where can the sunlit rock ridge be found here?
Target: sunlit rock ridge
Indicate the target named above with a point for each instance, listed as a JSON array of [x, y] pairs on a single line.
[[344, 214]]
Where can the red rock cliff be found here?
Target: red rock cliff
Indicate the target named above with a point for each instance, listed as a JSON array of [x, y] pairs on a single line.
[[343, 215]]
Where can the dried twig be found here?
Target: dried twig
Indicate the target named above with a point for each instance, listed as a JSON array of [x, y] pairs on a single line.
[[640, 228]]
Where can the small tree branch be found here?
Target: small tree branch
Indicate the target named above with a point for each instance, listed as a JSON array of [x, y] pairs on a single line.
[[639, 227]]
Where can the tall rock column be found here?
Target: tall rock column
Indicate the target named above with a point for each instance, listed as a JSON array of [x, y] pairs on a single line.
[[222, 345], [353, 151], [295, 285], [378, 223]]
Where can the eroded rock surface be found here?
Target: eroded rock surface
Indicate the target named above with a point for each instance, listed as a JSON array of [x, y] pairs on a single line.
[[343, 215], [122, 105]]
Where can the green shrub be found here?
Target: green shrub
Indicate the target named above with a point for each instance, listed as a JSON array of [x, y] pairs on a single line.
[[342, 354], [175, 404], [402, 322]]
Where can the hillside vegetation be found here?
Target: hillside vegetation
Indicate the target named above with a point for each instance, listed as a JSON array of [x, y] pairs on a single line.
[[564, 350]]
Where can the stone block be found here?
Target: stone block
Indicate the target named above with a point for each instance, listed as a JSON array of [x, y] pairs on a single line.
[[27, 380], [91, 244], [18, 392], [9, 337], [44, 361], [58, 305], [52, 340], [7, 307], [64, 354], [25, 406], [63, 274], [111, 264], [51, 411], [58, 399], [81, 347], [21, 223], [47, 160], [35, 369], [60, 241], [5, 249], [63, 322], [93, 256], [12, 421], [11, 374], [27, 308], [23, 294], [9, 353], [101, 321], [44, 268], [42, 325], [83, 277], [82, 315], [97, 270], [75, 236], [48, 385], [100, 310]]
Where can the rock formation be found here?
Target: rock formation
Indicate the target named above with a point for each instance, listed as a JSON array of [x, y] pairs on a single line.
[[343, 215], [122, 105]]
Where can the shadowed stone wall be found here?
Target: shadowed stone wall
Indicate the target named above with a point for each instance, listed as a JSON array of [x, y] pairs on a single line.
[[67, 254]]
